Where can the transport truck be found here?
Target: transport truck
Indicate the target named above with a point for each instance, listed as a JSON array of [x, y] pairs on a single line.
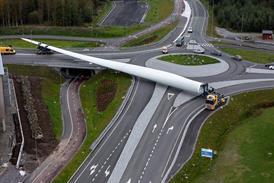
[[214, 100]]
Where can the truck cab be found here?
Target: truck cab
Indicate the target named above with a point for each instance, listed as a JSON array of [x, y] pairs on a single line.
[[180, 41], [214, 100]]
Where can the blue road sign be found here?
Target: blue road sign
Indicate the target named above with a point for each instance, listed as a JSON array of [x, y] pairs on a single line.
[[208, 153]]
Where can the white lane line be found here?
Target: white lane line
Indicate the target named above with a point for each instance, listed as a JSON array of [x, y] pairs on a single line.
[[188, 121], [117, 124], [107, 172]]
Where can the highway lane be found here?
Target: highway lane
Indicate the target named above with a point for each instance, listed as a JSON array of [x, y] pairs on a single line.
[[190, 139], [147, 163], [150, 160], [101, 162], [144, 151], [106, 154], [126, 13]]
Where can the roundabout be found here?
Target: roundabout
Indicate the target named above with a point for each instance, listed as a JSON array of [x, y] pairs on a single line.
[[200, 70]]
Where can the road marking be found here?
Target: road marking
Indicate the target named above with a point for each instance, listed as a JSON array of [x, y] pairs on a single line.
[[129, 181], [154, 127], [171, 111], [92, 169], [169, 129], [109, 135], [253, 65], [170, 95], [107, 172]]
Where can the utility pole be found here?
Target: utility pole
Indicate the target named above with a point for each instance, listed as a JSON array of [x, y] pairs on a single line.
[[242, 25]]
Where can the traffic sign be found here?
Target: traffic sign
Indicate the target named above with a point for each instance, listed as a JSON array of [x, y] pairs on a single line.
[[208, 153]]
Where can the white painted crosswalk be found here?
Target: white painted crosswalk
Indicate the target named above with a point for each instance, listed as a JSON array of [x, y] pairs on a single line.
[[206, 45]]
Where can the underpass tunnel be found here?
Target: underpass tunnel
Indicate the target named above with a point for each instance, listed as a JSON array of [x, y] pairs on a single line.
[[73, 73]]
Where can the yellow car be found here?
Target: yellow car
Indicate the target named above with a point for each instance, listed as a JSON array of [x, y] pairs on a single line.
[[7, 51]]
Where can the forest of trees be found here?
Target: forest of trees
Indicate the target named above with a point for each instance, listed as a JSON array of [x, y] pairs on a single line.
[[245, 15], [48, 12]]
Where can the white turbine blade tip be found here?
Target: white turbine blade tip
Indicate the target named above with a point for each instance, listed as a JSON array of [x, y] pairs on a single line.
[[30, 41]]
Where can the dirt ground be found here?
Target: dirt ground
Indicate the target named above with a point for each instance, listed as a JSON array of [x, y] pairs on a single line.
[[105, 93], [48, 143]]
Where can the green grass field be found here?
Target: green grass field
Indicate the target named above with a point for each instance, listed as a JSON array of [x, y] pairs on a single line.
[[242, 134], [190, 60], [88, 31], [96, 121], [251, 55], [151, 37], [18, 43], [51, 83], [159, 10]]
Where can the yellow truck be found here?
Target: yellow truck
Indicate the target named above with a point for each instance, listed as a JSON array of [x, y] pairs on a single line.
[[7, 51], [214, 100]]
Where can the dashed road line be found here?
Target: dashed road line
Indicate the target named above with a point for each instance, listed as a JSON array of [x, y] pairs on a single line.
[[107, 171]]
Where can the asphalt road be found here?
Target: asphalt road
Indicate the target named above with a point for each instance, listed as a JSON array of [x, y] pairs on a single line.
[[104, 158], [126, 13], [191, 136], [170, 137]]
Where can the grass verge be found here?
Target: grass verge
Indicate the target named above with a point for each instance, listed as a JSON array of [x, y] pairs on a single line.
[[159, 10], [18, 43], [189, 59], [242, 134], [51, 83], [92, 31], [102, 12], [151, 37], [96, 121], [251, 55]]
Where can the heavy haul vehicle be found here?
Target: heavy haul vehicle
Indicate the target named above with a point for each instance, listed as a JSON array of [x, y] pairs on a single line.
[[214, 100]]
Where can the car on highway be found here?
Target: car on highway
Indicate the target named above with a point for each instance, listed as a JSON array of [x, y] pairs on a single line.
[[190, 30], [7, 50], [43, 51], [199, 50], [165, 50], [271, 67], [216, 53], [180, 41], [237, 57]]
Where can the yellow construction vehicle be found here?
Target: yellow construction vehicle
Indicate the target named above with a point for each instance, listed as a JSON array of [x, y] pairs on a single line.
[[214, 100], [7, 51]]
